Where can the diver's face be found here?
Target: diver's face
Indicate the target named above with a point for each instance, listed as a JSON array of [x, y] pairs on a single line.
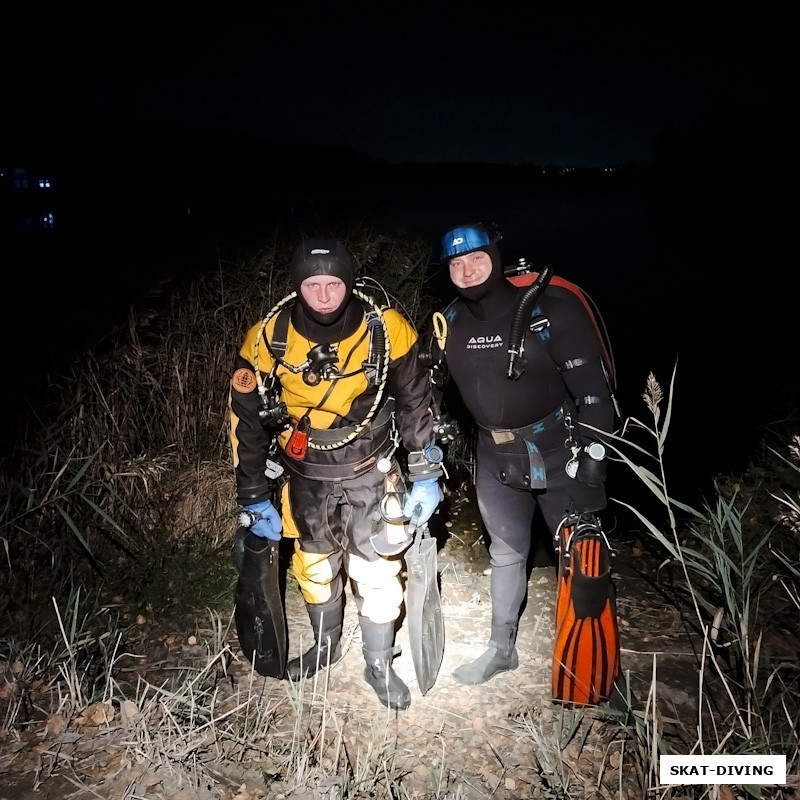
[[323, 293], [471, 269]]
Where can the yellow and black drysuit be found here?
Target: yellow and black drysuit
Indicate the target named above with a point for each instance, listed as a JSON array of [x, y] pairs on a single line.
[[331, 499]]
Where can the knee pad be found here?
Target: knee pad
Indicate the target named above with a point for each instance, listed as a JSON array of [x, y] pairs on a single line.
[[379, 586]]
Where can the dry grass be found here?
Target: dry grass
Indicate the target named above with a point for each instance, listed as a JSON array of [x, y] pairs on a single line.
[[120, 495]]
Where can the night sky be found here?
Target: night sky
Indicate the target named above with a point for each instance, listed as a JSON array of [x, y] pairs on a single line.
[[458, 85]]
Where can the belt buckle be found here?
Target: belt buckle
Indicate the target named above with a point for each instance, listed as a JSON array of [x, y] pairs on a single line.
[[503, 437]]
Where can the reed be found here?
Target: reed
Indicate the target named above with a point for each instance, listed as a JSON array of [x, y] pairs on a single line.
[[727, 566]]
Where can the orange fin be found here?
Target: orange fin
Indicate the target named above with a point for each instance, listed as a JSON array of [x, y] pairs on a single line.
[[586, 658]]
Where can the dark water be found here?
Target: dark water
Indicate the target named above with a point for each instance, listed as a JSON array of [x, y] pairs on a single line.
[[671, 293]]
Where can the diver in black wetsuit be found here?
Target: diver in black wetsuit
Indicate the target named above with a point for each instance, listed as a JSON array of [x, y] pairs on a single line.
[[531, 432]]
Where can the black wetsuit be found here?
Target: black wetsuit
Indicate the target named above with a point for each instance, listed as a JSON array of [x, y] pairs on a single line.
[[562, 387]]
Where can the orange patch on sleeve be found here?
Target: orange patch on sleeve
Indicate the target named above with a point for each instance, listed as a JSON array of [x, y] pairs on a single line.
[[243, 381]]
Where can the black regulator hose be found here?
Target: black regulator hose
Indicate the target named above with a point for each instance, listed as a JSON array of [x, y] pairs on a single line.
[[516, 340], [376, 355]]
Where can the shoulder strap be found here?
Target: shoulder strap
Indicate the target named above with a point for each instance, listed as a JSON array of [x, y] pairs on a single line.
[[280, 334]]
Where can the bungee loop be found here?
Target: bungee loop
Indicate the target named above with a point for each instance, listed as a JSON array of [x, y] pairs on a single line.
[[380, 354]]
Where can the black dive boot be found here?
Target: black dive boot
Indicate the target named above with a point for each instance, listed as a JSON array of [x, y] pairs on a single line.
[[500, 657], [379, 650], [326, 622]]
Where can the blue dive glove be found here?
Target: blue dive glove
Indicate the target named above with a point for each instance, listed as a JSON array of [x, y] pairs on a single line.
[[266, 521], [421, 502]]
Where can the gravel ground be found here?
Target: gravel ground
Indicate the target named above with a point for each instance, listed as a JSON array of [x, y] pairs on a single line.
[[505, 739]]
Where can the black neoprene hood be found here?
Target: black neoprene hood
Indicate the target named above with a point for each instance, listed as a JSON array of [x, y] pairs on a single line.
[[321, 257]]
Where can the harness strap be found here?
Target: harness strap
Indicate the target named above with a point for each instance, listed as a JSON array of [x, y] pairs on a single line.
[[572, 363], [280, 334], [328, 435], [526, 432], [590, 400]]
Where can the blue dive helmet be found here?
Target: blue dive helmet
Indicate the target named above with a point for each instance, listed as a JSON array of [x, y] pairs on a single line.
[[467, 238]]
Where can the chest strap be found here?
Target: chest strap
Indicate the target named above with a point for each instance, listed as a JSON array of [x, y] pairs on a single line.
[[328, 435]]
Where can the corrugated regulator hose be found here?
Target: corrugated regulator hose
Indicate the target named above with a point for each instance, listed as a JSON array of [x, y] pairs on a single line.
[[516, 339]]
